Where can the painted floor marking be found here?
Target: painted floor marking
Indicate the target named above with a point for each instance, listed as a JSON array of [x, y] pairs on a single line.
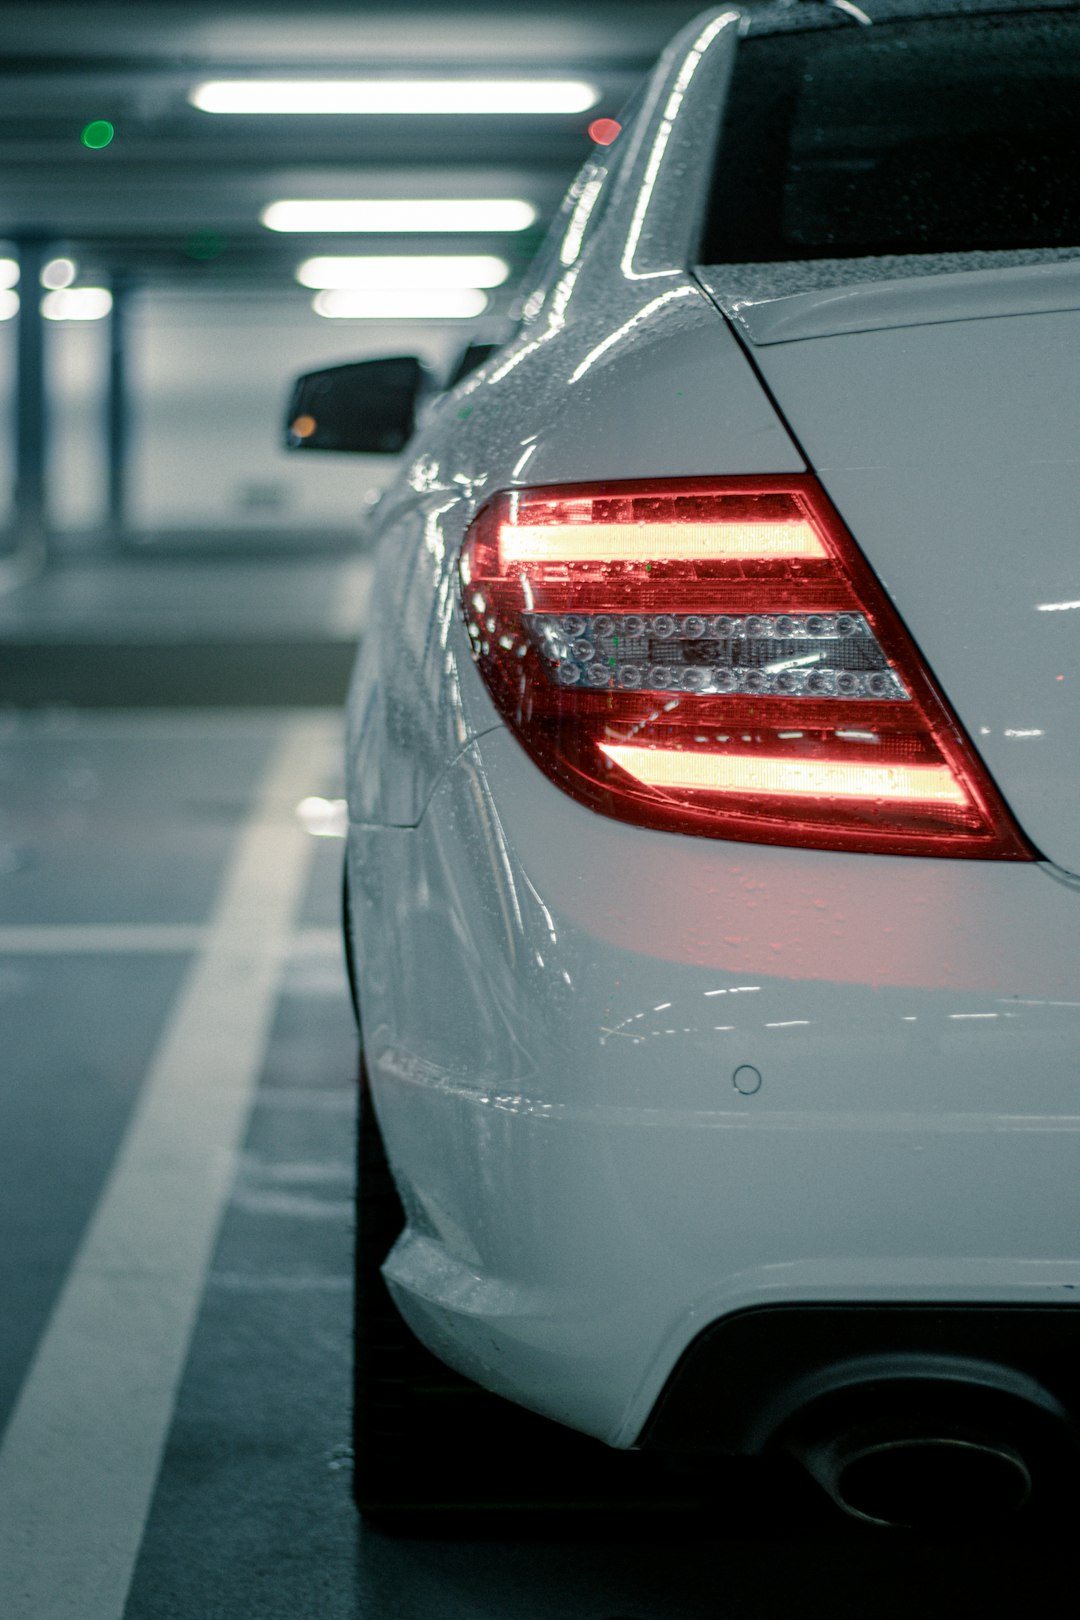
[[133, 939], [80, 1457], [78, 939]]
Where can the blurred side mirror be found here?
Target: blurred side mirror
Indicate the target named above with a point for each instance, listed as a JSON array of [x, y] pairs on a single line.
[[369, 406]]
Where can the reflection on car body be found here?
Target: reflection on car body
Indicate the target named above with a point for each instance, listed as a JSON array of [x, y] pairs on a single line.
[[712, 769]]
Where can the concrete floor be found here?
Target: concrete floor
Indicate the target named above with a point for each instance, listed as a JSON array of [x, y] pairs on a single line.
[[176, 1176], [171, 628]]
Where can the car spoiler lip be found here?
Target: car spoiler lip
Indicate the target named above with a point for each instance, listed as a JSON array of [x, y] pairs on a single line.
[[874, 306]]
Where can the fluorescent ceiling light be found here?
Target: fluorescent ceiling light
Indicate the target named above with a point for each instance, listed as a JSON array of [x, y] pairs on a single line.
[[77, 304], [9, 303], [9, 272], [402, 304], [399, 271], [391, 96], [401, 215]]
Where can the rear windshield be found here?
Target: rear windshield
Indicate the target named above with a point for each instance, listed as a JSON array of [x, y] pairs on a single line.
[[929, 136]]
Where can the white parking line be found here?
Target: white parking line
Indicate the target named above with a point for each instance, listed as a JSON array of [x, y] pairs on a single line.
[[79, 939], [134, 939], [80, 1457]]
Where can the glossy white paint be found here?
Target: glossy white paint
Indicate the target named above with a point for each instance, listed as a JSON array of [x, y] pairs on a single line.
[[950, 450], [555, 1004], [916, 300], [621, 369]]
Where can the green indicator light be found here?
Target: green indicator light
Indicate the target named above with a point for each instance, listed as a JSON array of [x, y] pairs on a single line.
[[97, 134]]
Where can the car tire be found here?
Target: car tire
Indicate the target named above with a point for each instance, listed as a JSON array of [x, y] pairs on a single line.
[[423, 1435], [431, 1449], [388, 1361]]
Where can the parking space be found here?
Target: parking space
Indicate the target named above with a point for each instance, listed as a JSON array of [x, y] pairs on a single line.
[[179, 1082], [158, 896], [252, 1512]]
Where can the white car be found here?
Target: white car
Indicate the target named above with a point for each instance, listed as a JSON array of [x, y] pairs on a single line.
[[713, 779]]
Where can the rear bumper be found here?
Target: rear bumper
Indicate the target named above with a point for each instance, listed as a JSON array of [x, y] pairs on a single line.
[[556, 1009]]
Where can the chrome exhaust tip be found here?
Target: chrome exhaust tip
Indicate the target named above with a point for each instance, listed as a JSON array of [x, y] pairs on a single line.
[[930, 1481], [933, 1444]]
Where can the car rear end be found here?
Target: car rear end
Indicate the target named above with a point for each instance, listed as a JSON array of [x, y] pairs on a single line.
[[720, 983]]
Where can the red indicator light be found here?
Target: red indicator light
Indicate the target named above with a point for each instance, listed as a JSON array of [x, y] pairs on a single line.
[[715, 656], [604, 130]]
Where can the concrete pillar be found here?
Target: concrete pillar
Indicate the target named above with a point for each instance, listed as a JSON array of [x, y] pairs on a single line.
[[117, 408], [31, 413]]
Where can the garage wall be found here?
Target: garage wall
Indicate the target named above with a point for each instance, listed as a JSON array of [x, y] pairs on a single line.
[[209, 381]]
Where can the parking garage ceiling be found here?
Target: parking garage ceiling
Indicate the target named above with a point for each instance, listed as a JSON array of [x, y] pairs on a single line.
[[176, 195]]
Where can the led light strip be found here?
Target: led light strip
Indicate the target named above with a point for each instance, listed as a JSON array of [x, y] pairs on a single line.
[[819, 779], [645, 542], [387, 97], [788, 655]]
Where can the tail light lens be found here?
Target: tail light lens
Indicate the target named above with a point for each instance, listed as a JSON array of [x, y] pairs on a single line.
[[714, 656]]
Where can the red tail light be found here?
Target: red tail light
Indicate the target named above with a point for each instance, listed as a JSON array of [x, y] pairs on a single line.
[[714, 656]]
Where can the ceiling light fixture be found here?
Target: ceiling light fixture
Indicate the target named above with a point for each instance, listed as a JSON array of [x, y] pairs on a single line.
[[402, 304], [77, 304], [447, 216], [388, 97], [401, 270]]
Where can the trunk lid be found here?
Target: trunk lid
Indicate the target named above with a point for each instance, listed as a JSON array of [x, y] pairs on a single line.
[[942, 415]]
